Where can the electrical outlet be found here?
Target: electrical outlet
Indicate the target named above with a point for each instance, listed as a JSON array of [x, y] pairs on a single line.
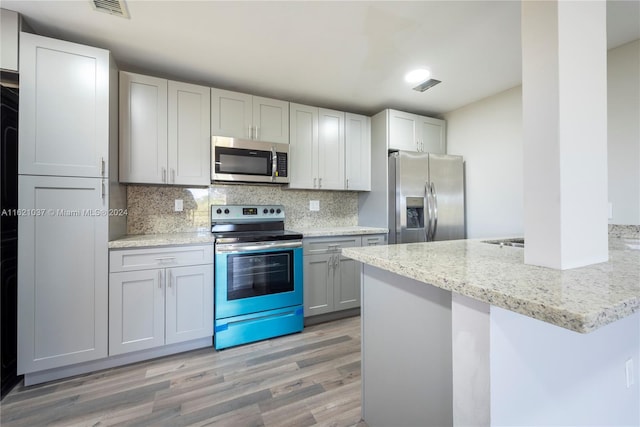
[[314, 205], [178, 205]]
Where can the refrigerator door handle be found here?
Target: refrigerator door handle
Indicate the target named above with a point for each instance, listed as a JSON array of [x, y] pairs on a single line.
[[427, 226], [434, 193]]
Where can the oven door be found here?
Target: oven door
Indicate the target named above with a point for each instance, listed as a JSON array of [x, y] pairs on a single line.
[[256, 277]]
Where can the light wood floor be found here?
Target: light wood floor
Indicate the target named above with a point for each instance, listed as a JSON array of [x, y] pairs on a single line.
[[305, 379]]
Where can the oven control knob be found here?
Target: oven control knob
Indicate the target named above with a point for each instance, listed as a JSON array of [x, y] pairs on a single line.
[[226, 211], [265, 211], [271, 210], [278, 210], [219, 211]]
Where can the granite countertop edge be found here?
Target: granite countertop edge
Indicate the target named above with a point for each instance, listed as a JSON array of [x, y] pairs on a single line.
[[517, 294], [338, 231], [205, 237], [158, 240]]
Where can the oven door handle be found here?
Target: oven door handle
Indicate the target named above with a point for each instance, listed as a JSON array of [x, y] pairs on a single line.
[[255, 246]]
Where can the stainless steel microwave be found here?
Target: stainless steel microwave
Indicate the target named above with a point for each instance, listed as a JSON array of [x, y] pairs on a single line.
[[241, 160]]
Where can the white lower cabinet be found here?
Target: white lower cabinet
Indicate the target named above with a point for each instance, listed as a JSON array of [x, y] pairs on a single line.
[[159, 296], [331, 281], [62, 271]]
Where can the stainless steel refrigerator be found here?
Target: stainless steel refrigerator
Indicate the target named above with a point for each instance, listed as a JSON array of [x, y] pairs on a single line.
[[426, 197]]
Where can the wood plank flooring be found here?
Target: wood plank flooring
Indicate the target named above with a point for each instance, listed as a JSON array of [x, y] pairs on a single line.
[[306, 379]]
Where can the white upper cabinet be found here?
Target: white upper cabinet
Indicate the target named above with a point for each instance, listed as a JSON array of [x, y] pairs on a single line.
[[357, 152], [9, 39], [239, 115], [303, 164], [411, 132], [64, 108], [143, 129], [317, 148], [330, 149], [164, 131], [188, 158]]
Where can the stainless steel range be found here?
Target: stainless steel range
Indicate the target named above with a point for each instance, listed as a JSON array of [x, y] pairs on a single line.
[[258, 274]]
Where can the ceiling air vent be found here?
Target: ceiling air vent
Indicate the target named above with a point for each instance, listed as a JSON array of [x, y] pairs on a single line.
[[426, 85], [112, 7]]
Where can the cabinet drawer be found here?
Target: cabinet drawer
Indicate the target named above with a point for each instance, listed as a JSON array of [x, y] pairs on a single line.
[[374, 239], [142, 259], [323, 245]]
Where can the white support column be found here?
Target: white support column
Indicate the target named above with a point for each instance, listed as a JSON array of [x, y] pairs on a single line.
[[564, 84]]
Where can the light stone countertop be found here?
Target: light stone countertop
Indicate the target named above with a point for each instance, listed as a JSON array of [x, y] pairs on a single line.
[[168, 239], [582, 299], [338, 231]]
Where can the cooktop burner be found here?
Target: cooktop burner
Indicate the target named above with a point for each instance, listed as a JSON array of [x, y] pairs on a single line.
[[250, 223]]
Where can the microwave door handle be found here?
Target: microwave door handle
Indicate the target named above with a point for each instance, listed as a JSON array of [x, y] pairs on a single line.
[[274, 163]]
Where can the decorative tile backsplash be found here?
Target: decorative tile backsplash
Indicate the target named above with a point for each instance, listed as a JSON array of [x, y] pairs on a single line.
[[151, 208]]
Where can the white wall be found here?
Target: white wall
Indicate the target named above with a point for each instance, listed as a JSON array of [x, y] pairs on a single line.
[[623, 76], [488, 133]]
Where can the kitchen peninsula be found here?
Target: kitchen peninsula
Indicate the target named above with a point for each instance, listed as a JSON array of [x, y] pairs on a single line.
[[464, 333]]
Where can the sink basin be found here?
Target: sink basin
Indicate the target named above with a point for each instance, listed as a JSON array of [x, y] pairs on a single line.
[[515, 242]]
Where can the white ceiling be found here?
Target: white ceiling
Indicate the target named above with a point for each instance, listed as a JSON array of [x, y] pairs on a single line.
[[344, 55]]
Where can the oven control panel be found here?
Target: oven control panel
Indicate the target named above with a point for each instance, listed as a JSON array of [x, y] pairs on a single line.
[[247, 212]]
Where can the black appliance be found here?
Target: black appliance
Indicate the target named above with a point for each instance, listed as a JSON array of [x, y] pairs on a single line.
[[9, 238]]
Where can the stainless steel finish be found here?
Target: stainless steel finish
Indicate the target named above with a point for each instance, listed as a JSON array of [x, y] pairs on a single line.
[[255, 246], [426, 197], [247, 144], [434, 196], [274, 163]]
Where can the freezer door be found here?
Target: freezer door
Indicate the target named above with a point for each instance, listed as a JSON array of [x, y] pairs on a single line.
[[408, 207], [446, 197]]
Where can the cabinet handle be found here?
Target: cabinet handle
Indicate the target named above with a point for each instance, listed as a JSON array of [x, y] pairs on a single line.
[[331, 263], [347, 183], [319, 182], [170, 278], [257, 132], [164, 175], [103, 166], [173, 176], [103, 190], [159, 279], [164, 259], [314, 182]]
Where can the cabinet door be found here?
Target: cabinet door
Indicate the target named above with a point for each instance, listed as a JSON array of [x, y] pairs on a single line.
[[271, 120], [432, 135], [10, 31], [62, 271], [374, 240], [402, 131], [347, 283], [64, 108], [330, 149], [189, 140], [143, 129], [318, 284], [189, 303], [304, 144], [231, 114], [136, 310], [357, 163]]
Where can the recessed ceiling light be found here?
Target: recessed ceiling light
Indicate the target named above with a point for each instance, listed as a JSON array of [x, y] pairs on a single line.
[[418, 75]]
